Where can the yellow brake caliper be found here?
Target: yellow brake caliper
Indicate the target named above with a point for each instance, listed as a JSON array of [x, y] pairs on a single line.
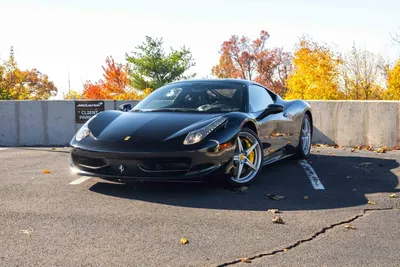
[[252, 153]]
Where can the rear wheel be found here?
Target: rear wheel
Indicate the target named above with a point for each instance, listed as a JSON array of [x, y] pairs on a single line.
[[304, 147], [247, 160]]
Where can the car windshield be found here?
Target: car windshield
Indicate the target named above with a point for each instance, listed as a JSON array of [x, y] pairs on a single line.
[[195, 97]]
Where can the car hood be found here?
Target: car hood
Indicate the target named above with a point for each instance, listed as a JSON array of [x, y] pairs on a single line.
[[146, 126]]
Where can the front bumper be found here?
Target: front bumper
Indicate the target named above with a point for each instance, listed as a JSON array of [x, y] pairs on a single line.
[[151, 166]]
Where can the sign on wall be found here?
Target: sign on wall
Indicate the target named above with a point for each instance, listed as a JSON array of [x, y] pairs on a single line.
[[84, 110]]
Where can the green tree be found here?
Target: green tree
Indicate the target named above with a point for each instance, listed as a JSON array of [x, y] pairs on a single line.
[[151, 67]]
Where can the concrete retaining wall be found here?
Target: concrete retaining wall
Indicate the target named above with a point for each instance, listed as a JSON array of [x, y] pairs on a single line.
[[347, 123], [350, 123], [41, 123]]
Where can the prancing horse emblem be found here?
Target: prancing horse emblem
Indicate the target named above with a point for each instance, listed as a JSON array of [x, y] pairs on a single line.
[[121, 168]]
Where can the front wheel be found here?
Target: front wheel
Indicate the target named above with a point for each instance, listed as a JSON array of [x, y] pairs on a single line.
[[247, 159]]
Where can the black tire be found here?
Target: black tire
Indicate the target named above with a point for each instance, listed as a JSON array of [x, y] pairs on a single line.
[[300, 151], [231, 181]]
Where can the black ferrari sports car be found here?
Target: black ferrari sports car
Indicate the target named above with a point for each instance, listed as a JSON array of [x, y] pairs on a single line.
[[189, 130]]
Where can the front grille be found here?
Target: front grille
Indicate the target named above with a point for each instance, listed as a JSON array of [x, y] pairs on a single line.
[[88, 162], [164, 165], [135, 167]]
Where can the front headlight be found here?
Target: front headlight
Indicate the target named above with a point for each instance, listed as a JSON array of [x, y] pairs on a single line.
[[198, 135], [82, 133]]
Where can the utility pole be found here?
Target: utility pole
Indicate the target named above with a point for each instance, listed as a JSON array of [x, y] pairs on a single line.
[[69, 83]]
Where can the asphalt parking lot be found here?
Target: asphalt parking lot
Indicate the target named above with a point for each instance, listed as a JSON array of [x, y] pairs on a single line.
[[54, 219]]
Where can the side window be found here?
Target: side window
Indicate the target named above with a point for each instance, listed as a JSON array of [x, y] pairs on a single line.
[[259, 98]]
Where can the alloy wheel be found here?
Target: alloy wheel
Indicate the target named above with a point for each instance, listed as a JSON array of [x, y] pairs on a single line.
[[306, 136], [247, 158]]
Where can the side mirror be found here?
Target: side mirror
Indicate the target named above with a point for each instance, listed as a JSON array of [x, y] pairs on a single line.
[[274, 108], [125, 107], [271, 109]]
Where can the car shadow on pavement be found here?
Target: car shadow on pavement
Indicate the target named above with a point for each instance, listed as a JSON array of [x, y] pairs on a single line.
[[347, 179]]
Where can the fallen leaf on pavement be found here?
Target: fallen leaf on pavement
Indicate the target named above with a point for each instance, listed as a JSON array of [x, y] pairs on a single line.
[[396, 148], [318, 151], [53, 148], [394, 196], [273, 211], [371, 202], [245, 260], [278, 220], [46, 171], [285, 249], [349, 226], [184, 241], [332, 154], [353, 149], [274, 197], [243, 188], [306, 197]]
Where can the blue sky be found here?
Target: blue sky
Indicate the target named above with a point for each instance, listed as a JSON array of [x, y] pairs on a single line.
[[77, 36]]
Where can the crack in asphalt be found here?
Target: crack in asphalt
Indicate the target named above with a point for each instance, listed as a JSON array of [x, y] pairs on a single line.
[[297, 243]]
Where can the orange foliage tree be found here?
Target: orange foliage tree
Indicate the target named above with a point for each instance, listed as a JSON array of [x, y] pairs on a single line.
[[114, 85], [23, 84], [316, 73], [252, 60]]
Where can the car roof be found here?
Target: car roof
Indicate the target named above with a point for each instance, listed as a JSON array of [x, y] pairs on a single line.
[[245, 82], [240, 81]]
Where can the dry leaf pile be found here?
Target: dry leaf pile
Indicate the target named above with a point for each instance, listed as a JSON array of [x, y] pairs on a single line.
[[383, 149]]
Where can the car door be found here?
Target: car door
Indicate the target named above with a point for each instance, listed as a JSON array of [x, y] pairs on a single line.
[[271, 130]]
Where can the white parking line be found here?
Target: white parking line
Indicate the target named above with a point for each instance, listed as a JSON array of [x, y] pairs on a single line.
[[316, 183], [81, 180]]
